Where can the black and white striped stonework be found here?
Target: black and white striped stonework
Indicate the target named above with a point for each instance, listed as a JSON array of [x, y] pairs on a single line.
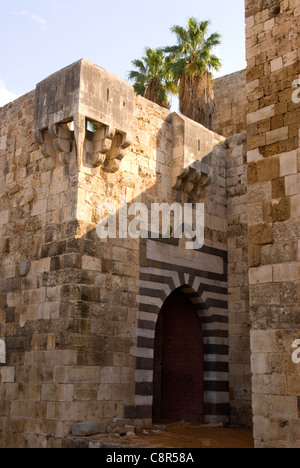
[[207, 288]]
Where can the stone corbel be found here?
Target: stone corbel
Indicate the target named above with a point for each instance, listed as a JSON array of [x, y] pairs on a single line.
[[60, 141], [102, 144], [117, 152], [108, 148], [193, 178], [39, 138]]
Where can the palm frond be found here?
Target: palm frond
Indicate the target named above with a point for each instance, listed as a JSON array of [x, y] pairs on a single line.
[[177, 68], [204, 25], [213, 41], [214, 63], [181, 33], [135, 75], [139, 64], [153, 78], [193, 47], [172, 50]]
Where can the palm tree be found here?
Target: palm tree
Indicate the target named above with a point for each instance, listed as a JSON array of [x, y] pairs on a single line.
[[191, 62], [152, 78]]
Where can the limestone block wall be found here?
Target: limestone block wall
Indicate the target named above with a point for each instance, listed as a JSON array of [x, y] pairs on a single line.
[[231, 104], [238, 282], [38, 200], [273, 213]]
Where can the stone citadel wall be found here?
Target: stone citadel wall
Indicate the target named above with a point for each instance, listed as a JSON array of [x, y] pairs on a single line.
[[78, 314], [231, 104], [272, 31]]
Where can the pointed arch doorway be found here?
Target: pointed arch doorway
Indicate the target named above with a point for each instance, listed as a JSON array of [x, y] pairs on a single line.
[[178, 362]]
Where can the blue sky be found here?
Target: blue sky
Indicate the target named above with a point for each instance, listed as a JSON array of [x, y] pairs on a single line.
[[40, 37]]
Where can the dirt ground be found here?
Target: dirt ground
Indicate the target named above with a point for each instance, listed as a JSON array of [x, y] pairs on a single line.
[[179, 435], [193, 435]]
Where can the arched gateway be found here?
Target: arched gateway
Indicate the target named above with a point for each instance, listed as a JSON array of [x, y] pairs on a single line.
[[182, 336]]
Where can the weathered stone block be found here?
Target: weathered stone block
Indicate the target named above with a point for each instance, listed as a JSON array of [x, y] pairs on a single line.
[[85, 392], [261, 114], [86, 429], [24, 266], [4, 217], [288, 163], [261, 234], [292, 184], [252, 173], [260, 275], [278, 188], [260, 405], [83, 374], [277, 135], [4, 245], [110, 375], [268, 169], [255, 215], [91, 263], [295, 206], [28, 196], [286, 272], [7, 374], [260, 192], [283, 407]]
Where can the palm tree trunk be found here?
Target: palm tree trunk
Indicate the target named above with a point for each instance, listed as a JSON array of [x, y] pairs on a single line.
[[151, 94], [196, 98]]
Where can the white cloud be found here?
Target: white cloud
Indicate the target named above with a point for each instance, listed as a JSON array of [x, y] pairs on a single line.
[[33, 16], [38, 19], [6, 96]]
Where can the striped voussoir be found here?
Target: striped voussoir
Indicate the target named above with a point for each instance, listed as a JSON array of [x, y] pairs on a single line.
[[208, 293]]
